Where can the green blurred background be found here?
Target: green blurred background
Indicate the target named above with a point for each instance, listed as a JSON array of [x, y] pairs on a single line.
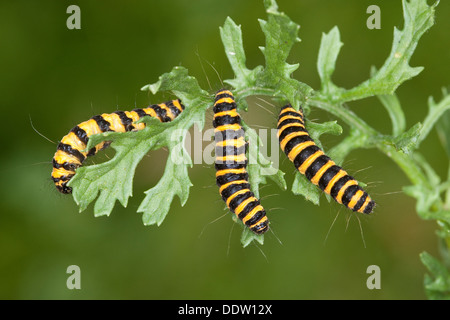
[[58, 77]]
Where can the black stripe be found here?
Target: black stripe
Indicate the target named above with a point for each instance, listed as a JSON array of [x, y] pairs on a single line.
[[141, 113], [360, 202], [305, 154], [315, 166], [69, 150], [328, 175], [289, 130], [161, 113], [222, 95], [227, 119], [338, 185], [349, 193], [296, 141], [261, 227], [63, 178], [237, 200], [103, 125], [223, 166], [81, 134], [229, 177], [224, 107], [126, 122], [248, 208], [233, 188], [256, 217], [290, 113], [287, 121], [369, 207], [175, 110]]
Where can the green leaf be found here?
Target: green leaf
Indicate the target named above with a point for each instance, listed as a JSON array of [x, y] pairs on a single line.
[[231, 35], [437, 285], [407, 141], [435, 112], [443, 130], [418, 17], [281, 34], [330, 46], [248, 237], [175, 181], [302, 186]]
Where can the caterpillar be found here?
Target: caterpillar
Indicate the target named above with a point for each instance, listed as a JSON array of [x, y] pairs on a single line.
[[69, 154], [231, 164], [318, 168]]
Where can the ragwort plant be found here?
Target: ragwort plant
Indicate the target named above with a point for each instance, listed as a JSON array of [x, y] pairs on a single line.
[[112, 180]]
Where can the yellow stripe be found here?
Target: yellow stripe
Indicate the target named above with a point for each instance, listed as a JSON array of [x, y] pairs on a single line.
[[61, 157], [321, 171], [252, 213], [135, 117], [177, 104], [168, 111], [151, 112], [114, 121], [355, 199], [72, 140], [290, 136], [58, 173], [242, 205], [344, 187], [307, 163], [240, 158], [363, 207], [231, 113], [226, 185], [226, 171], [224, 92], [263, 219], [289, 117], [289, 125], [330, 184], [224, 100], [234, 127], [298, 148], [234, 195], [90, 127], [239, 142]]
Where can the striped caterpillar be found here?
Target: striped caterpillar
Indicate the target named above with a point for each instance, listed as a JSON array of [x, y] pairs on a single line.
[[70, 152], [311, 161], [231, 163]]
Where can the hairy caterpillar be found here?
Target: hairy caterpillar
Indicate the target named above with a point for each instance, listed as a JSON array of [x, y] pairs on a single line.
[[70, 155], [311, 161], [231, 163]]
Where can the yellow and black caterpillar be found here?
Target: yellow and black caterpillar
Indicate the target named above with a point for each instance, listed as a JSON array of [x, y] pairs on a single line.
[[231, 164], [311, 161], [70, 152]]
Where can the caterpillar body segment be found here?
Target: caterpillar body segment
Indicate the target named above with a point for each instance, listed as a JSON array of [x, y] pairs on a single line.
[[312, 162], [231, 164], [71, 152]]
